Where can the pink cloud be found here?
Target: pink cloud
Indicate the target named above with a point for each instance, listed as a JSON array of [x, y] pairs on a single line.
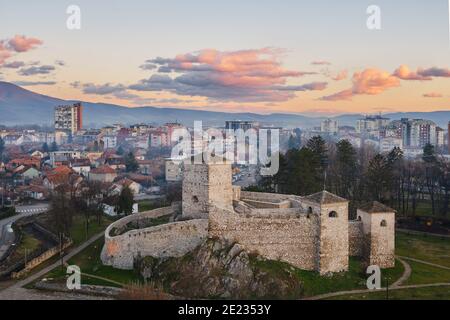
[[23, 44], [403, 72], [342, 75], [433, 95], [368, 82], [4, 53], [242, 76]]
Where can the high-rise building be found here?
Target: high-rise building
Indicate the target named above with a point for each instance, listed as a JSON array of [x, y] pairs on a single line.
[[448, 137], [237, 124], [371, 123], [418, 133], [329, 126], [69, 118], [440, 137]]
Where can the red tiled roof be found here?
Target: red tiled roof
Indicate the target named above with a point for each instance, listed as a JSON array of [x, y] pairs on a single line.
[[103, 170]]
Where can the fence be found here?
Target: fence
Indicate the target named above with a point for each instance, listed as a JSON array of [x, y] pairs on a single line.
[[33, 263]]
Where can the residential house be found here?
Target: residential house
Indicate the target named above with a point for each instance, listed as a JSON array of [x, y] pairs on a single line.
[[103, 174]]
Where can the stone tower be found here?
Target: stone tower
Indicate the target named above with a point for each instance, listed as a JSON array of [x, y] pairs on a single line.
[[333, 249], [379, 234], [204, 184]]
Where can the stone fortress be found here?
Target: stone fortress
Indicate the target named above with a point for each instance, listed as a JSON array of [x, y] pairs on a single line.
[[311, 233]]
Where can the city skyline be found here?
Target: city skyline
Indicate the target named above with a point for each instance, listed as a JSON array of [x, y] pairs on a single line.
[[228, 57]]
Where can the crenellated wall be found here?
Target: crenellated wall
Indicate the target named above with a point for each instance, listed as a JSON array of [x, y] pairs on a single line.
[[169, 240]]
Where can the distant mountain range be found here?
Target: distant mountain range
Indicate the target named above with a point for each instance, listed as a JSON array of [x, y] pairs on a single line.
[[19, 106]]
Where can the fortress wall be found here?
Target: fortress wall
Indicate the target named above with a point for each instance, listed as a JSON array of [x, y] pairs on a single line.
[[290, 237], [156, 213], [258, 196], [382, 241], [168, 240], [264, 204], [334, 242], [355, 238]]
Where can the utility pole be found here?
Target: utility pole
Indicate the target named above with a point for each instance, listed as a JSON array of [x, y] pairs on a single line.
[[387, 288], [61, 250]]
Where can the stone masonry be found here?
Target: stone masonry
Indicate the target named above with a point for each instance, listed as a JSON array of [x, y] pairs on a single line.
[[311, 233]]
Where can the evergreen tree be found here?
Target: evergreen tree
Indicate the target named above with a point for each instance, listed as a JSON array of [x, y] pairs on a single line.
[[378, 176], [429, 154], [2, 148], [54, 147], [131, 163], [346, 165], [120, 151], [125, 201], [45, 148]]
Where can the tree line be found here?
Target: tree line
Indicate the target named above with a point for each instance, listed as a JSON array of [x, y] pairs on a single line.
[[363, 174]]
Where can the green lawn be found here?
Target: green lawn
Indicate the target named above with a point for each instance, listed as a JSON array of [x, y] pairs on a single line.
[[432, 293], [89, 262], [147, 205], [428, 248], [27, 245], [314, 284], [425, 274], [78, 230]]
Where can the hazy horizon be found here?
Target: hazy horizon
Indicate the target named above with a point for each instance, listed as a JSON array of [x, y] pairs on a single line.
[[298, 57]]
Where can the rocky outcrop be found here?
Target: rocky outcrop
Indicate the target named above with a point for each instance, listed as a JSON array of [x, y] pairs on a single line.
[[219, 269]]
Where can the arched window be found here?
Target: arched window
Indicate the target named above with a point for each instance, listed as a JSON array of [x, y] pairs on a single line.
[[359, 218], [195, 199], [333, 214], [383, 223], [310, 210]]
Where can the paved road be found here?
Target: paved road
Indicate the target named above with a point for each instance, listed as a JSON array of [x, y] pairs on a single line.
[[17, 292], [6, 236]]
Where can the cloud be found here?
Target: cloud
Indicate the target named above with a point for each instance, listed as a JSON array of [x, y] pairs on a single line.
[[23, 44], [435, 72], [148, 66], [18, 44], [240, 76], [314, 86], [34, 83], [4, 52], [103, 89], [433, 95], [403, 72], [60, 63], [368, 82], [34, 70], [115, 90], [342, 75], [321, 63], [14, 65]]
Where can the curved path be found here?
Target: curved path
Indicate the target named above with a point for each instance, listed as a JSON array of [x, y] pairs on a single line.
[[17, 292], [406, 274], [396, 286]]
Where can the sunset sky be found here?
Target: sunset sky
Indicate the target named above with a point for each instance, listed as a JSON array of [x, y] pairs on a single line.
[[313, 57]]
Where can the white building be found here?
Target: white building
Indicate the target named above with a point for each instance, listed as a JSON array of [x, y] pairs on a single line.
[[388, 144], [109, 141], [371, 123], [329, 126], [69, 118]]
